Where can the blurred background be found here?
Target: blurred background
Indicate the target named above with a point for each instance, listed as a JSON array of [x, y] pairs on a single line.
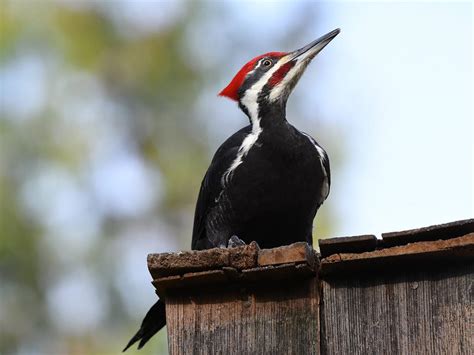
[[109, 118]]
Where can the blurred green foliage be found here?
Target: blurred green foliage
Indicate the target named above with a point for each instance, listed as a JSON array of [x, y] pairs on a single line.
[[106, 92]]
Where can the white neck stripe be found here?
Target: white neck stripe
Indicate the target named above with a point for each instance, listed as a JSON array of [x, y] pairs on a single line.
[[250, 102]]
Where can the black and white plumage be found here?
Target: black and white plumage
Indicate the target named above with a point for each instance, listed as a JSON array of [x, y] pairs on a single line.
[[265, 182], [271, 197]]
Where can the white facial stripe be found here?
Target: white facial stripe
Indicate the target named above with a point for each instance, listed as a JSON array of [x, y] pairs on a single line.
[[251, 95], [282, 87], [250, 102], [259, 64]]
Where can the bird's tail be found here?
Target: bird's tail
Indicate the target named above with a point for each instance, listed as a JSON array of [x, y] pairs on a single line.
[[154, 320]]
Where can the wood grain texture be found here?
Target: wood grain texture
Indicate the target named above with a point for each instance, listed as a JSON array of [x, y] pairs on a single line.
[[426, 254], [377, 297], [356, 244], [294, 253], [172, 264], [409, 313], [282, 319], [440, 231]]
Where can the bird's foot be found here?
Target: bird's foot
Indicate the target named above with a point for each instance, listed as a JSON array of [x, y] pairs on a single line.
[[235, 241]]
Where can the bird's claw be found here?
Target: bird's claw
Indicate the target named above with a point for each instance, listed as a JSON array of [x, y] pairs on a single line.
[[235, 241]]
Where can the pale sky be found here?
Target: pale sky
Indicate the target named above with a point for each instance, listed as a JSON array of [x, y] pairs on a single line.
[[397, 85], [403, 86]]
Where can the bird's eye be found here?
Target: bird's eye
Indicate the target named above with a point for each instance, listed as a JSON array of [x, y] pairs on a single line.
[[267, 63]]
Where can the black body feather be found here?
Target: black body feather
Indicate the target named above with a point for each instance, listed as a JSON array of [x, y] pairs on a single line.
[[271, 198], [267, 181]]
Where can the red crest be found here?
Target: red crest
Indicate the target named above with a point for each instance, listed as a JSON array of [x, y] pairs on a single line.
[[232, 90]]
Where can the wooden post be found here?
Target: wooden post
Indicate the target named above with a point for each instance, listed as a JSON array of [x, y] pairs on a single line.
[[240, 300], [407, 293]]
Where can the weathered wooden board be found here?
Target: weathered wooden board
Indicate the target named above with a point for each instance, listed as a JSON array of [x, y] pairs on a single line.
[[356, 244], [409, 313], [283, 319], [440, 231], [294, 253], [422, 254], [413, 294], [240, 258], [171, 264]]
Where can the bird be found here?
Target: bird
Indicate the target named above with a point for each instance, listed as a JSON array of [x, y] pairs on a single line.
[[266, 182]]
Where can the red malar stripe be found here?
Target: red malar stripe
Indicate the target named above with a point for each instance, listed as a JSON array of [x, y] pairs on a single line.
[[278, 76]]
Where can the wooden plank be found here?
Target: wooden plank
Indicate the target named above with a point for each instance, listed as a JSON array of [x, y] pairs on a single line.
[[283, 272], [229, 277], [410, 313], [440, 231], [295, 253], [190, 280], [243, 300], [456, 249], [356, 244], [244, 257], [164, 283], [169, 264], [266, 320]]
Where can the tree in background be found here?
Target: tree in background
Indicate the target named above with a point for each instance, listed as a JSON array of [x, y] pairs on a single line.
[[108, 121]]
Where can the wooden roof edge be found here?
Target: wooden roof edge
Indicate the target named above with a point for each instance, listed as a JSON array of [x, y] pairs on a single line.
[[411, 256], [239, 258], [367, 243], [435, 232], [249, 264]]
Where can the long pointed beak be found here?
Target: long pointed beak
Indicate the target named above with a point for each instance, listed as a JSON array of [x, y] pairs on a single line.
[[309, 51], [294, 64]]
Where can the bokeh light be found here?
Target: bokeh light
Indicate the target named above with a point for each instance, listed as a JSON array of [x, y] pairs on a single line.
[[109, 118]]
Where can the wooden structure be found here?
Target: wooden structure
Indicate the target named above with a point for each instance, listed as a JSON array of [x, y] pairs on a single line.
[[409, 293]]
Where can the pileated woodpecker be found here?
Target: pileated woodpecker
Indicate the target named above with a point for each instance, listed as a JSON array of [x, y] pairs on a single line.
[[267, 181]]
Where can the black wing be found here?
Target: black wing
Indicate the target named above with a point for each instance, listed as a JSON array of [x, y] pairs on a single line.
[[325, 161], [211, 186], [327, 167]]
